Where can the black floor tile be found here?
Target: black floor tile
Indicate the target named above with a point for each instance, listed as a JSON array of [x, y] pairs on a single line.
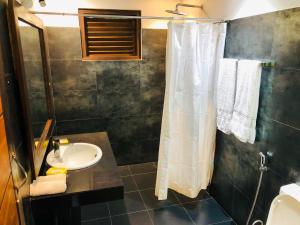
[[139, 197], [184, 199], [129, 184], [145, 181], [206, 212], [105, 221], [124, 171], [152, 202], [132, 202], [139, 218], [95, 211], [173, 215], [142, 168]]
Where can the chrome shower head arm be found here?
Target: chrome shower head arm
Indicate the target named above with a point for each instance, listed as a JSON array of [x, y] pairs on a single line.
[[176, 11]]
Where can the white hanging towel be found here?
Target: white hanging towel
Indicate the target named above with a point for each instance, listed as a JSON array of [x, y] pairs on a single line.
[[226, 93], [243, 122], [187, 140]]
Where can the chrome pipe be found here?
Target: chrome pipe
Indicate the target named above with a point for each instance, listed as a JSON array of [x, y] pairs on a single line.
[[127, 17]]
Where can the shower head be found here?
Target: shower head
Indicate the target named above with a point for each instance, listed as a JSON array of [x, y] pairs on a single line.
[[42, 3], [176, 12]]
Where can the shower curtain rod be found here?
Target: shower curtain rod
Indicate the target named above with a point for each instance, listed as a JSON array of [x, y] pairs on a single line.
[[129, 17]]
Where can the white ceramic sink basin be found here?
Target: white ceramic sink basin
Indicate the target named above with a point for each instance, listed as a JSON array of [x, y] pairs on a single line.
[[75, 156]]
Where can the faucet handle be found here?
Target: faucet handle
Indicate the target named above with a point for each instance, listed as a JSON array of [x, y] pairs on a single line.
[[55, 143]]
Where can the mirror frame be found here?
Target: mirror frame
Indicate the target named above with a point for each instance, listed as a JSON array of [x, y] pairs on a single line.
[[17, 12]]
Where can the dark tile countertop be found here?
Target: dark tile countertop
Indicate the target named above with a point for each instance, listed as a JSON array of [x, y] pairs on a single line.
[[98, 183]]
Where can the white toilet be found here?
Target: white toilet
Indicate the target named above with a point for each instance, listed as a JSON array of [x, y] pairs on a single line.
[[285, 208]]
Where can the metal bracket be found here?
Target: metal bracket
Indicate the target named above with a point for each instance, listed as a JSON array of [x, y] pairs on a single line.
[[14, 157]]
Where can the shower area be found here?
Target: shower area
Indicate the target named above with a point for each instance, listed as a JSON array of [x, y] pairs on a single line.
[[160, 114], [124, 98]]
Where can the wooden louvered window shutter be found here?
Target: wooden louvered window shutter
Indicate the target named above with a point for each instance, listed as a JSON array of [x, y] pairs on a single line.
[[110, 39]]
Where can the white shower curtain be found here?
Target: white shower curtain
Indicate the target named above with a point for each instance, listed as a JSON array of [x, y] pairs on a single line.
[[187, 141]]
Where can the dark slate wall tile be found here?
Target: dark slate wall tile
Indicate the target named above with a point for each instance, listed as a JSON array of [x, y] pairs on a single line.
[[285, 90], [80, 126], [38, 107], [283, 143], [64, 43], [124, 98], [151, 126], [108, 105], [126, 129], [30, 43], [153, 73], [226, 157], [72, 75], [241, 206], [117, 76], [135, 151], [152, 86], [154, 43], [250, 38], [34, 75], [222, 190], [286, 43], [271, 36], [75, 104], [265, 96], [130, 102]]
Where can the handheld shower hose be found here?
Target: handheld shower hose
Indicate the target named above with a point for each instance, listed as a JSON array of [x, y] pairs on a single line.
[[262, 169]]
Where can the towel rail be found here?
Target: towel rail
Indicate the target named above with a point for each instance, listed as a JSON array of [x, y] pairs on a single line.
[[268, 64]]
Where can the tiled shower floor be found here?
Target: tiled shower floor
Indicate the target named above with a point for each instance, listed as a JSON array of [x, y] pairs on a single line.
[[141, 207]]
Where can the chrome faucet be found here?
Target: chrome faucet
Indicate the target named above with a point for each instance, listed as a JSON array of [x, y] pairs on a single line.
[[56, 146]]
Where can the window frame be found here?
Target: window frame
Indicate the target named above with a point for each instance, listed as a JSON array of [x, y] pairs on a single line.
[[99, 57]]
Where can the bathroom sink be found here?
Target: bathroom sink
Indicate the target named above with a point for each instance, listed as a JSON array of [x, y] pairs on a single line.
[[75, 156]]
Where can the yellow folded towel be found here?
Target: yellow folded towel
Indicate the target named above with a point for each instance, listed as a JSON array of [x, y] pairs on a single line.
[[54, 171], [47, 185]]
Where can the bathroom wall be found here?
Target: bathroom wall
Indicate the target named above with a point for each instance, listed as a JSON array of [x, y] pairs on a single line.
[[11, 105], [272, 36], [233, 9], [124, 98]]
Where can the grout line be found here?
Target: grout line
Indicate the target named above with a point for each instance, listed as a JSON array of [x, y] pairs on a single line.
[[224, 211], [95, 219], [142, 200], [186, 212], [145, 189], [223, 221], [128, 213], [140, 174], [195, 200], [285, 124], [147, 210], [107, 205]]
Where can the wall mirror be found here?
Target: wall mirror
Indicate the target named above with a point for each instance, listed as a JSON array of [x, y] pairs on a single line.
[[31, 64]]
